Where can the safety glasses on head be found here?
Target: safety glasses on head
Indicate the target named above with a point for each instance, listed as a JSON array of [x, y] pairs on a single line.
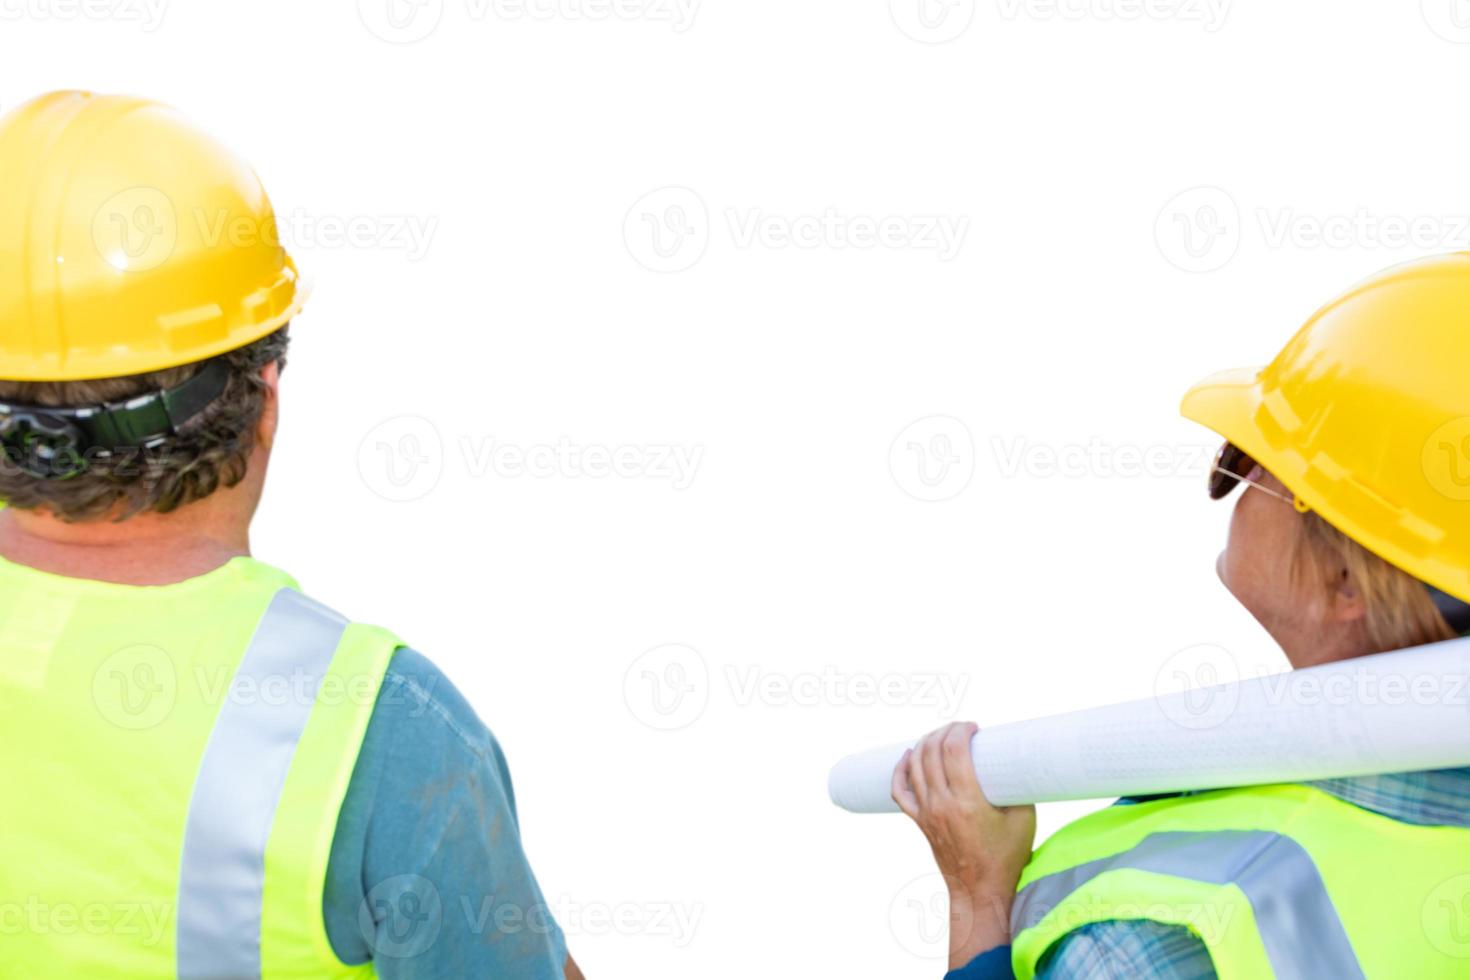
[[52, 443]]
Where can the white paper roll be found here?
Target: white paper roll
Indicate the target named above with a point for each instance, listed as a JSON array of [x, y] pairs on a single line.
[[1394, 712]]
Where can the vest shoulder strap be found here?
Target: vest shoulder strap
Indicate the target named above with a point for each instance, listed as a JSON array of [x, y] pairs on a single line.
[[268, 792]]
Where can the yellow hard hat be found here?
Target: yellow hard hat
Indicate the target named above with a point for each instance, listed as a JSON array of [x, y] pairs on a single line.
[[129, 242], [1365, 417]]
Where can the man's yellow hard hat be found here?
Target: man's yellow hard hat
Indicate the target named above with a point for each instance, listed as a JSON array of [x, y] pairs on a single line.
[[129, 242], [1365, 417]]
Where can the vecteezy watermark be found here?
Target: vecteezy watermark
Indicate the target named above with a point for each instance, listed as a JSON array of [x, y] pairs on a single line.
[[137, 688], [835, 687], [674, 922], [1450, 19], [404, 458], [409, 21], [1446, 459], [670, 687], [918, 916], [1282, 227], [933, 458], [564, 459], [932, 21], [667, 688], [1445, 917], [146, 14], [1198, 230], [942, 234], [1017, 456], [1209, 14], [410, 234], [403, 916], [669, 230], [1196, 687], [139, 229], [136, 230], [400, 21], [1202, 687], [924, 921], [1209, 920], [1367, 688], [1201, 230], [146, 923]]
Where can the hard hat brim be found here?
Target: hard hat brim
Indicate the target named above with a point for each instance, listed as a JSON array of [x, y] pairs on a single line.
[[92, 365]]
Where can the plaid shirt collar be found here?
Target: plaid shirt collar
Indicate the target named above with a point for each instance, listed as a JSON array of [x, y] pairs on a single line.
[[1434, 798]]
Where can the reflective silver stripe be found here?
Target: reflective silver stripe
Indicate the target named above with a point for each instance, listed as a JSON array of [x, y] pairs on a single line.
[[239, 784], [1298, 925]]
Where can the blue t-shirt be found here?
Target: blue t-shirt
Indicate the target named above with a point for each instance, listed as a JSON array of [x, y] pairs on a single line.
[[427, 876]]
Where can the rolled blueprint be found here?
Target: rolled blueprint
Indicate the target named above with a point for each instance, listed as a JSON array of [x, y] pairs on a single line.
[[1394, 712]]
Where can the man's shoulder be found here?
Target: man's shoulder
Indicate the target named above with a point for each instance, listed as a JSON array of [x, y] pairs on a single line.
[[418, 697], [430, 792]]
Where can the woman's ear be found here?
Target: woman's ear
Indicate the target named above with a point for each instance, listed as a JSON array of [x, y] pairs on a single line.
[[1347, 600]]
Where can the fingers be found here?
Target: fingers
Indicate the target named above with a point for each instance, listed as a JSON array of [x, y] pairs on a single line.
[[931, 750], [903, 793], [918, 775], [936, 770], [935, 784], [959, 769]]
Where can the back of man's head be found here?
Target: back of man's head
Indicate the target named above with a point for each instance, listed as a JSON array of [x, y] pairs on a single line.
[[208, 452], [144, 293]]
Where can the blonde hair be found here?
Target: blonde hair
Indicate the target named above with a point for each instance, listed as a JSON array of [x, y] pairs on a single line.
[[1398, 611]]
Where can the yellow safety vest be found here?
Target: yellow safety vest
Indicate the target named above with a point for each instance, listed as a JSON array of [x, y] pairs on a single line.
[[1278, 881], [175, 761]]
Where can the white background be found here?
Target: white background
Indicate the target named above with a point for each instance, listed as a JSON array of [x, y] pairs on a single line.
[[503, 288]]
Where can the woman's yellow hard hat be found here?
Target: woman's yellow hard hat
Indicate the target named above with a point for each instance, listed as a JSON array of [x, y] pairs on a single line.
[[1365, 417], [129, 242]]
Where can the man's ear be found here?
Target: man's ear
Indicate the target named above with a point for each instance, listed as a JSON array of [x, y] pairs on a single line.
[[1347, 600], [270, 412]]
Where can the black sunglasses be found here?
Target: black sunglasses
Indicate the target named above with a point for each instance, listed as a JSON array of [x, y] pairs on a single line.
[[1230, 467], [1233, 466]]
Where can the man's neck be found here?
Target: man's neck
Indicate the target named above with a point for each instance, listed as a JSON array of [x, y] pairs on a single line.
[[146, 549]]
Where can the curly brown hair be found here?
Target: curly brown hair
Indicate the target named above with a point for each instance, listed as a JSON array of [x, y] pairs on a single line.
[[210, 450]]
